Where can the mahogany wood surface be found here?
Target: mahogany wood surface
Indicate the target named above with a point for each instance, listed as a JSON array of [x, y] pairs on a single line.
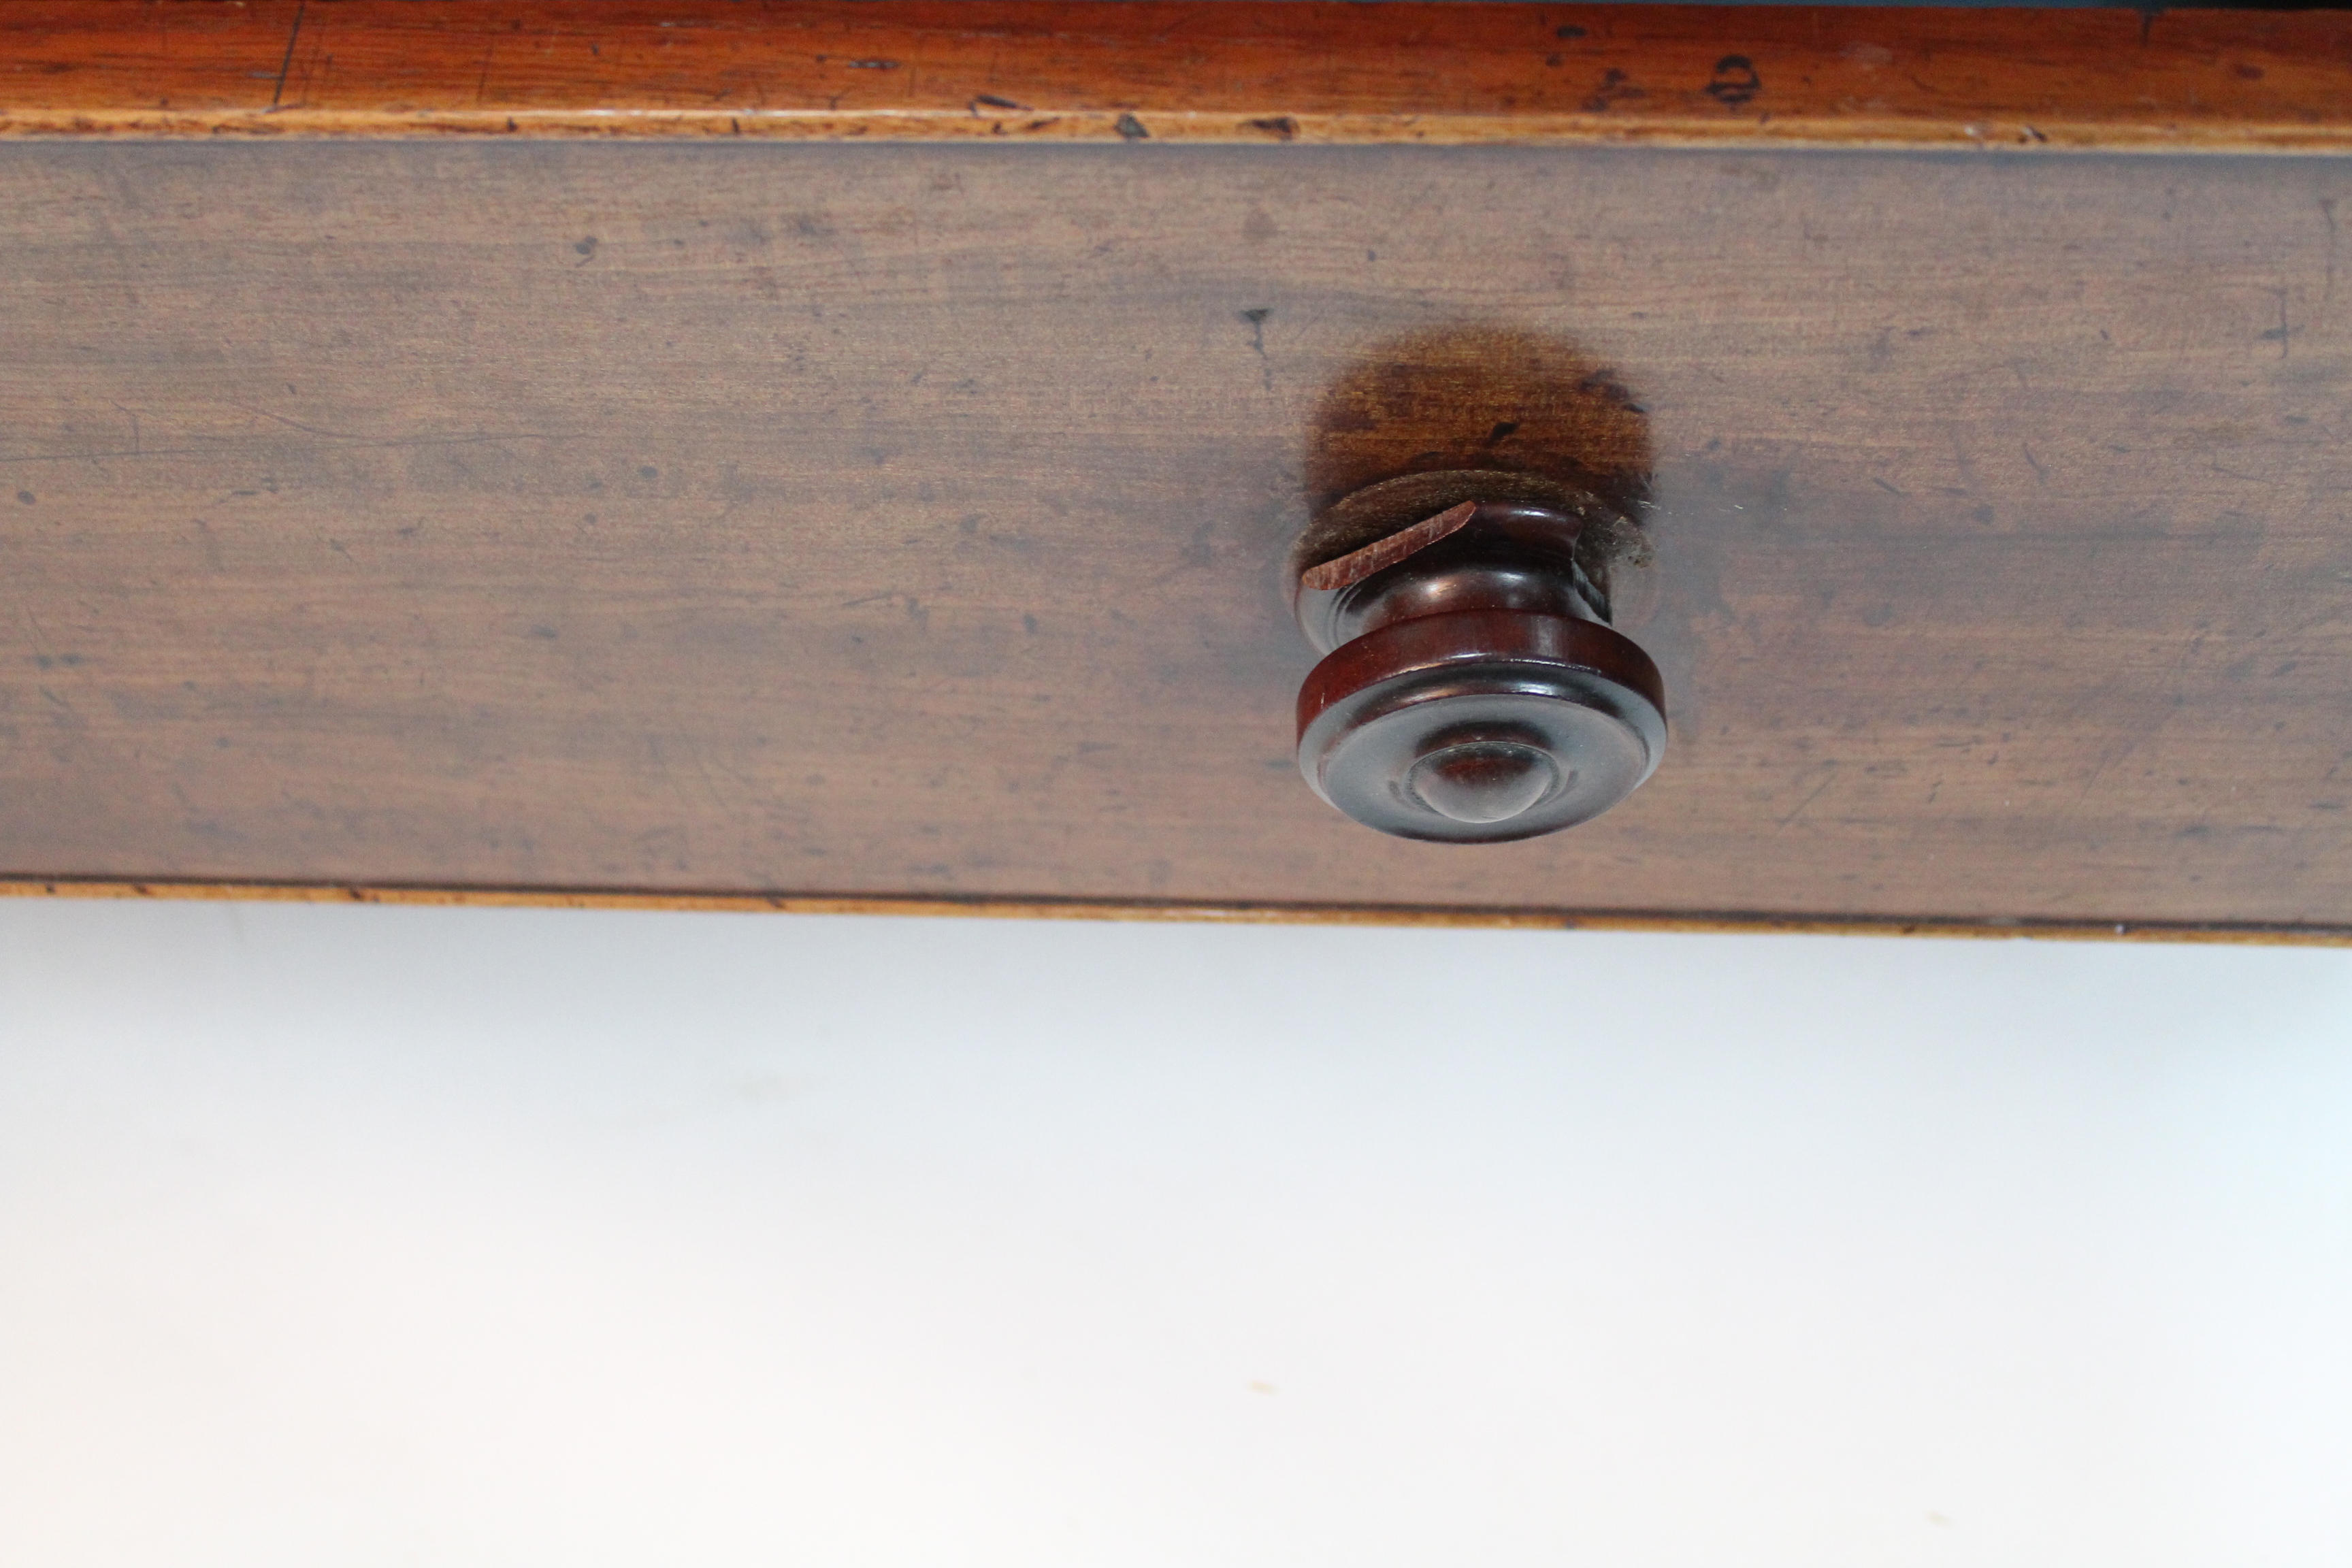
[[1190, 71], [806, 522]]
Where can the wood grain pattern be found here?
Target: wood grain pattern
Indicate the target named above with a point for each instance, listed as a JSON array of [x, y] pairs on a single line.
[[1155, 911], [1170, 70], [852, 523]]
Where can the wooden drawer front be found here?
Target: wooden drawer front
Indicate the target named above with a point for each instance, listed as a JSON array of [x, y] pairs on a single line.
[[797, 518]]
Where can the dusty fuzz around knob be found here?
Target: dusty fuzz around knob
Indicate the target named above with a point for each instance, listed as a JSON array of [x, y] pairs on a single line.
[[1471, 691]]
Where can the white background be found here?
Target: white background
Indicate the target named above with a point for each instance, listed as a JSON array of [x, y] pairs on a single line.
[[352, 1235]]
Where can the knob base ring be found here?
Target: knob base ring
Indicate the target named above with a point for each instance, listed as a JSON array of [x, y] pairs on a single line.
[[1375, 708]]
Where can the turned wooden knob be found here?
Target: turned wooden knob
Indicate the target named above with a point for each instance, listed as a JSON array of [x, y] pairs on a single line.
[[1472, 691]]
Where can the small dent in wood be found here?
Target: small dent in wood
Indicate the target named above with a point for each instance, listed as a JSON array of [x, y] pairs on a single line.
[[1735, 82], [1615, 89]]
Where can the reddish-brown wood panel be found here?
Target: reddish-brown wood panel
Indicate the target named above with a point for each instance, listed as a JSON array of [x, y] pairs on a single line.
[[1249, 71]]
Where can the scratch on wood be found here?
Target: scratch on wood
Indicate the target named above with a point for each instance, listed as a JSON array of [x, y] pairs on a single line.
[[287, 65], [1827, 779], [2327, 211]]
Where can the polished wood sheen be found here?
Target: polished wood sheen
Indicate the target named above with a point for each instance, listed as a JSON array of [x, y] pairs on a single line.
[[1215, 70]]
